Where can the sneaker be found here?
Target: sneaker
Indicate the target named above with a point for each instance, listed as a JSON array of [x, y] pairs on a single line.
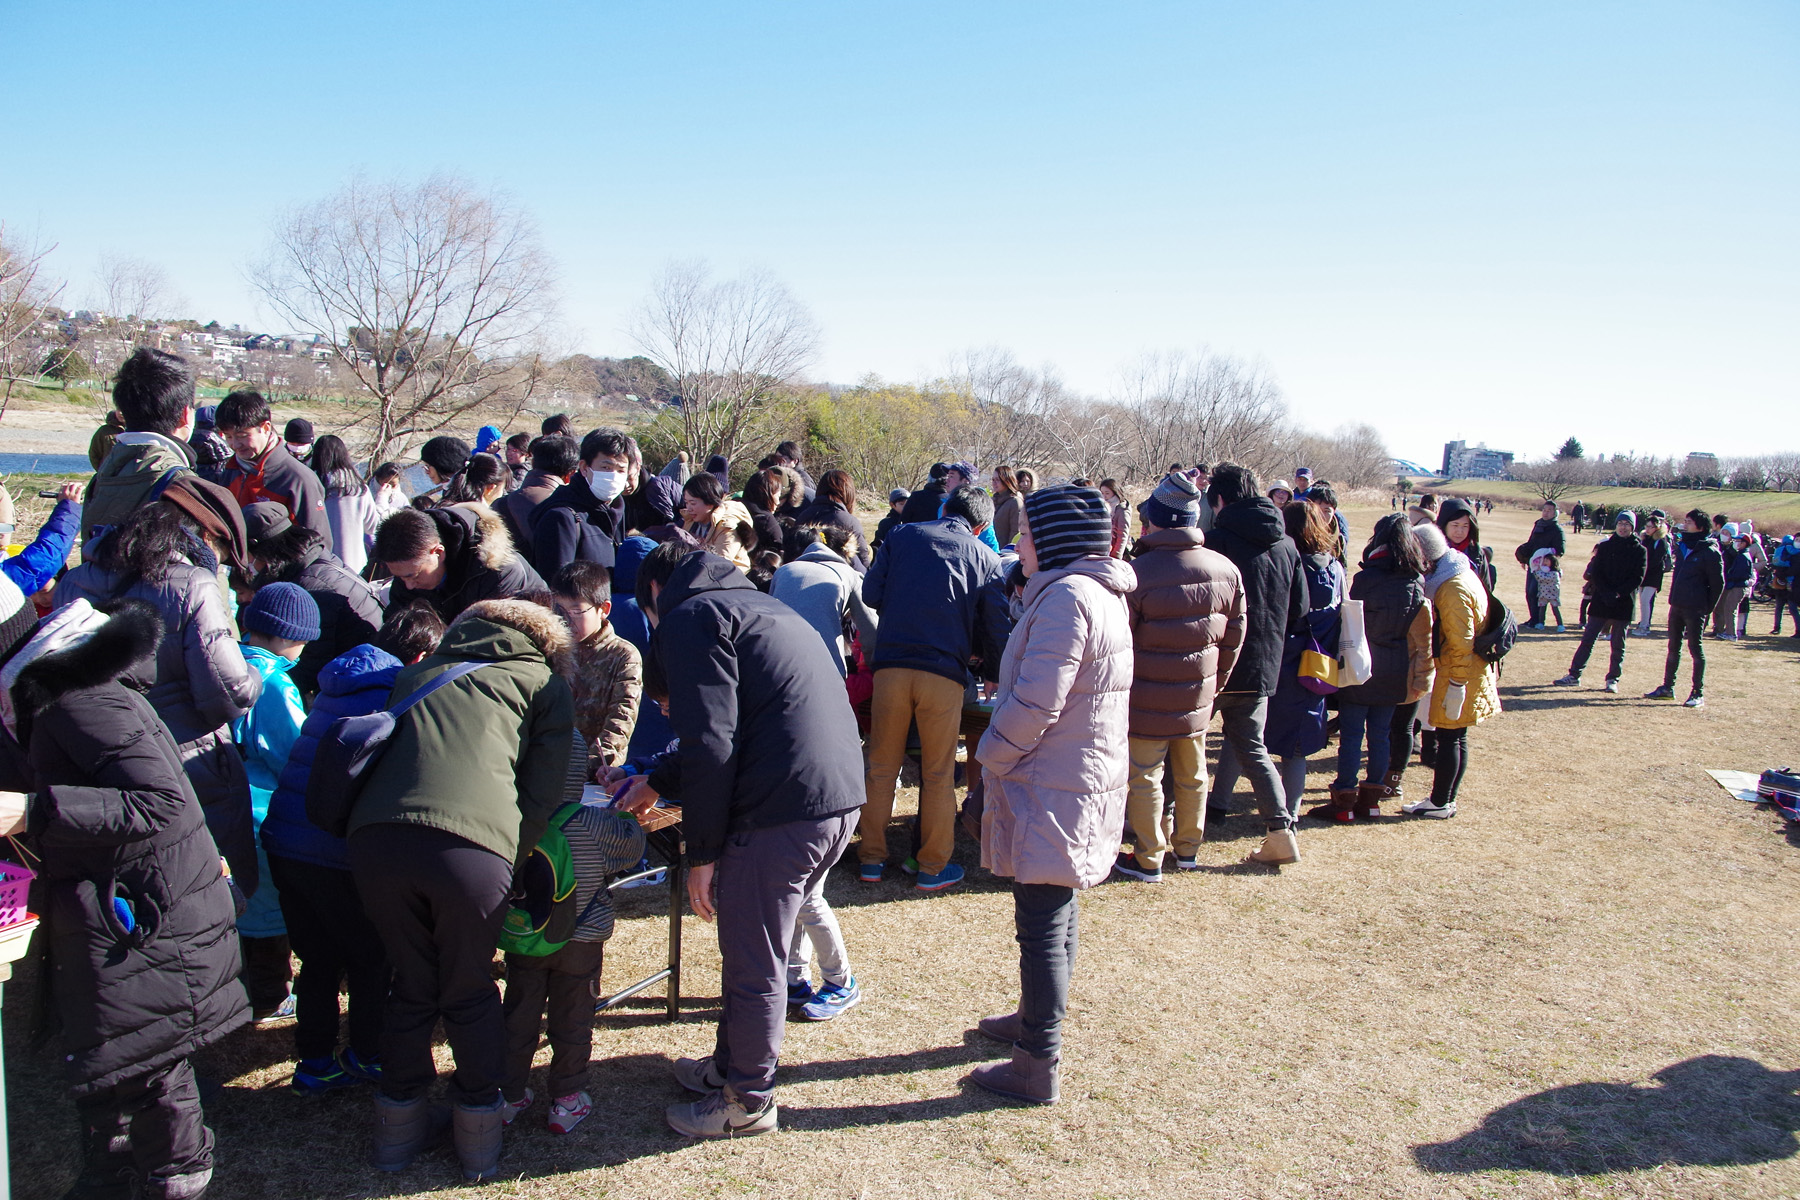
[[721, 1115], [909, 865], [366, 1069], [1570, 680], [1559, 629], [569, 1111], [510, 1109], [869, 872], [832, 1000], [1127, 865], [800, 993], [1665, 692], [698, 1074], [1190, 863], [1425, 808], [658, 876], [948, 877], [1695, 701], [275, 1016], [1612, 685], [316, 1076]]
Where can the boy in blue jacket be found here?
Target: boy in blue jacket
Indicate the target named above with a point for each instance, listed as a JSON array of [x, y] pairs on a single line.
[[331, 934]]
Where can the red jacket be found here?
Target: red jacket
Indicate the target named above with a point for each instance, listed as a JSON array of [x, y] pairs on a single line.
[[281, 478]]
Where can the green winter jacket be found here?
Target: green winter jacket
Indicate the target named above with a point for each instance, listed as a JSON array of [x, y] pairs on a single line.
[[483, 757]]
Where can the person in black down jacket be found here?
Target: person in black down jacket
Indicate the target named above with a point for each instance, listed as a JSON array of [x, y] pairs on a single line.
[[451, 558], [769, 778], [923, 504], [1546, 531], [1615, 576], [1694, 588], [1248, 530], [835, 504], [143, 945], [585, 517], [349, 612]]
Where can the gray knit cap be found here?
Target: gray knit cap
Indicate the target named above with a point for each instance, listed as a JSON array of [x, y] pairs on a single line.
[[1175, 504], [1067, 523]]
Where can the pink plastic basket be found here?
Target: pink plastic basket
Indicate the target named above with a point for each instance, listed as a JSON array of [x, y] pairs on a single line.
[[15, 885]]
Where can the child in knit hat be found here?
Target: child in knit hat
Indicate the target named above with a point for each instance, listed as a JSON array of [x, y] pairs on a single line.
[[278, 623]]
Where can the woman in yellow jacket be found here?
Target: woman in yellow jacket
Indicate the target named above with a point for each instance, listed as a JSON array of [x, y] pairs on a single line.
[[1462, 692]]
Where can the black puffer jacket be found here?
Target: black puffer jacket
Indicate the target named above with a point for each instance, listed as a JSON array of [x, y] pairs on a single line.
[[1249, 533], [1699, 576], [116, 816], [1614, 576], [1657, 560], [767, 732], [349, 613], [1545, 532], [830, 512], [482, 563], [1390, 599]]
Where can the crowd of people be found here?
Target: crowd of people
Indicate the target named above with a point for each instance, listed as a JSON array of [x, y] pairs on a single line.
[[564, 641]]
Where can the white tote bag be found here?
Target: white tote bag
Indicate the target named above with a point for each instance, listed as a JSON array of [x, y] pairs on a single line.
[[1354, 664]]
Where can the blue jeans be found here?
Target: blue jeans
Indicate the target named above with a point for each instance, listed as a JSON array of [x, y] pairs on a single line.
[[1354, 721]]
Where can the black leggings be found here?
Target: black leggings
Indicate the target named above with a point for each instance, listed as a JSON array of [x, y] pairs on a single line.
[[1452, 761]]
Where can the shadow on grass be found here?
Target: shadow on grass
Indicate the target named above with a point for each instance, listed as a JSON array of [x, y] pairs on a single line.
[[1713, 1110]]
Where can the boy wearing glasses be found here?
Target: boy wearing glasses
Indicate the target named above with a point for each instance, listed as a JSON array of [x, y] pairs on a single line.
[[609, 673]]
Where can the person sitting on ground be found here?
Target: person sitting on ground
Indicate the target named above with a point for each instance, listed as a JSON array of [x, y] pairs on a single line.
[[1187, 623], [1462, 692], [608, 674], [1056, 764], [349, 610], [929, 583], [261, 467], [278, 623], [768, 776], [154, 395], [1615, 575], [451, 558]]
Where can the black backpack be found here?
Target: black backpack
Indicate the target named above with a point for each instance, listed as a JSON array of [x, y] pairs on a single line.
[[1497, 635]]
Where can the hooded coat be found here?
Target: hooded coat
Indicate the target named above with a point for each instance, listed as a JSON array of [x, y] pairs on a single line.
[[1615, 575], [827, 592], [115, 816], [1460, 605], [349, 612], [483, 757], [134, 470], [480, 563], [1054, 758], [200, 685], [1187, 623], [1249, 532], [767, 732]]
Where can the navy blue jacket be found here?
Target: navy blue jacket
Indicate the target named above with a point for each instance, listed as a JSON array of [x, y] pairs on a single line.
[[929, 583], [352, 684], [572, 524], [1739, 568]]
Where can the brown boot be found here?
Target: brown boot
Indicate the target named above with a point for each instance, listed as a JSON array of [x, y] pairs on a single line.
[[1368, 800], [1279, 848], [1341, 807], [1008, 1029], [1037, 1080], [1392, 782]]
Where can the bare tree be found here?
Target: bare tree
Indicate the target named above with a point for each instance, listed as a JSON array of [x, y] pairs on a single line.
[[1202, 407], [1784, 470], [136, 288], [1554, 478], [733, 351], [25, 293], [433, 296], [1011, 409]]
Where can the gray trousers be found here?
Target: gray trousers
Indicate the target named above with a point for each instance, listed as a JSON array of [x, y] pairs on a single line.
[[1244, 716], [1044, 922], [761, 881]]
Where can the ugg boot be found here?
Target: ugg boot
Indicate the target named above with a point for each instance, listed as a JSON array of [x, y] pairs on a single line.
[[1036, 1080], [402, 1129], [1008, 1029], [477, 1134], [1394, 782], [1341, 807], [1279, 848], [1368, 800]]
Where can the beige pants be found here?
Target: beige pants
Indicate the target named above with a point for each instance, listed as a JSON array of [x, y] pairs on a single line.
[[903, 697], [1144, 802]]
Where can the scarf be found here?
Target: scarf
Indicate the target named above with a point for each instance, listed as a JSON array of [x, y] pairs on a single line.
[[1444, 569]]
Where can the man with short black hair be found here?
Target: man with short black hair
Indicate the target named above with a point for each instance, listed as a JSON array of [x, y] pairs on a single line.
[[929, 583], [560, 425], [153, 394], [450, 558], [518, 448], [1614, 575], [261, 469], [1694, 589], [788, 455], [553, 460], [1546, 533], [585, 517]]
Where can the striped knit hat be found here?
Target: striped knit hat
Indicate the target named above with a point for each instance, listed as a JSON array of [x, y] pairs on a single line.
[[1067, 523]]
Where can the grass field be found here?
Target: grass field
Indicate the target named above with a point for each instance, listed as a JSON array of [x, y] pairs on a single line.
[[1773, 512], [1582, 986]]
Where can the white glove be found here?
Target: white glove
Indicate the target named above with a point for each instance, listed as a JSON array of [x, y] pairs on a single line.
[[12, 812], [1455, 696]]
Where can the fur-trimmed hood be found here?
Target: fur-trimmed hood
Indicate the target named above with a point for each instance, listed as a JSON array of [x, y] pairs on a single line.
[[545, 630], [476, 530], [125, 641]]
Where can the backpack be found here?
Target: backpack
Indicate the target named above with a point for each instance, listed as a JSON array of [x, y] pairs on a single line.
[[1781, 787], [1497, 635], [113, 498], [543, 910], [349, 750]]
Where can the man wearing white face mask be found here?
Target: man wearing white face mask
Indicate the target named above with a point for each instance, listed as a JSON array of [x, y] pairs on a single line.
[[584, 519]]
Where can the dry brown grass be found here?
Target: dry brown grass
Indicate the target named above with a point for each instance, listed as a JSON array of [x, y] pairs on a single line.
[[1478, 1007]]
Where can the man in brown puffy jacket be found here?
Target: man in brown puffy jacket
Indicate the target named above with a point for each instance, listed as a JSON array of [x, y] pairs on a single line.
[[1187, 623]]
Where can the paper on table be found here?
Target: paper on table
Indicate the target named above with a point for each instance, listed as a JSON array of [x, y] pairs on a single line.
[[1741, 784]]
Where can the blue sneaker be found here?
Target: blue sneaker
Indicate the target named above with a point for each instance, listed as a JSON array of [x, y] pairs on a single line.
[[869, 872], [366, 1069], [948, 877], [316, 1076], [832, 1000], [800, 993]]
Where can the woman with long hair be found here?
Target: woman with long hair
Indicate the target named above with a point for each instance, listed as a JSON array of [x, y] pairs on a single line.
[[715, 522], [834, 503], [1005, 486], [350, 510], [1114, 494], [481, 481], [759, 499]]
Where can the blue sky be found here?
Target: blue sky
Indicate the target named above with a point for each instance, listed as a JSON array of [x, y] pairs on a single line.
[[1505, 222]]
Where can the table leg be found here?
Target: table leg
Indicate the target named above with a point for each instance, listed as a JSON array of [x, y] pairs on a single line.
[[677, 898]]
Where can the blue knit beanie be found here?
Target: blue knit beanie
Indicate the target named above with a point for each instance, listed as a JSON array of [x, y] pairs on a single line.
[[1067, 523], [1175, 504], [283, 610]]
